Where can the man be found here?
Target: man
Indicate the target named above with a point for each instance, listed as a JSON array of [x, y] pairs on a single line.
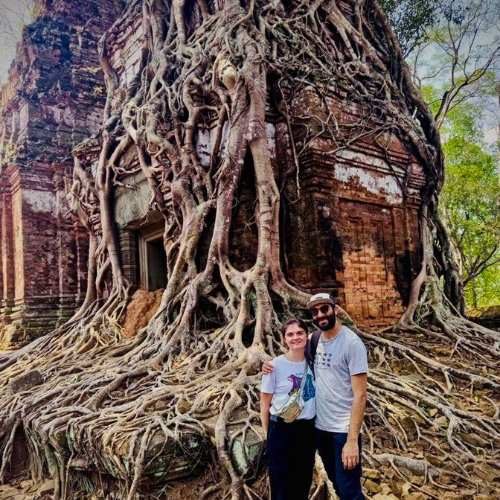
[[341, 367]]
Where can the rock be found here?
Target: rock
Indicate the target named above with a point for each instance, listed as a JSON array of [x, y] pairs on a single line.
[[25, 381], [463, 495], [47, 488], [473, 439], [487, 472], [441, 422], [140, 310], [417, 479], [486, 316], [410, 428], [79, 463], [371, 486], [247, 453], [227, 73], [415, 496], [132, 204], [382, 496], [406, 493], [386, 489], [405, 489], [371, 473]]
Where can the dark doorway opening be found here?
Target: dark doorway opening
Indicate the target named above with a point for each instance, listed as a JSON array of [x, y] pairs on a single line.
[[153, 274], [156, 264]]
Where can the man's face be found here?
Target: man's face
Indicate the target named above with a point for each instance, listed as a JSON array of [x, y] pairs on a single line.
[[323, 316]]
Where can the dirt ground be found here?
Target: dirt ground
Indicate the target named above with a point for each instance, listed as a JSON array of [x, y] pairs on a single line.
[[190, 489], [26, 490]]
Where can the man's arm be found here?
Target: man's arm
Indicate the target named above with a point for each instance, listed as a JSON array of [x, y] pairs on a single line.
[[350, 452], [265, 404], [267, 367]]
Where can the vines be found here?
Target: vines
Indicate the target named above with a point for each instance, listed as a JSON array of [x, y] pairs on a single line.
[[128, 405]]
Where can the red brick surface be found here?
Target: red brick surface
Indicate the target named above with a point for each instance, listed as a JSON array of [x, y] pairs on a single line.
[[53, 100], [354, 229], [349, 215]]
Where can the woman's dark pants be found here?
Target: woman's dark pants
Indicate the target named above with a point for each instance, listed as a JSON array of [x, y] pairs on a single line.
[[290, 451], [347, 483]]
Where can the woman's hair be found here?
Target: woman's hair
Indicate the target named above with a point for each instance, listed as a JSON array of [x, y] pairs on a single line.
[[293, 321]]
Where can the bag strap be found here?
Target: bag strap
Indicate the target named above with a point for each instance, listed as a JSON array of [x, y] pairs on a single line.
[[312, 347], [303, 381]]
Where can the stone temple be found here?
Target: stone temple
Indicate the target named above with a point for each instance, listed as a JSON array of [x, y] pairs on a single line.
[[52, 100], [353, 208]]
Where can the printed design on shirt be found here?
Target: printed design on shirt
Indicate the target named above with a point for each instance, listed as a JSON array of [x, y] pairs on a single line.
[[323, 360], [296, 381], [308, 392]]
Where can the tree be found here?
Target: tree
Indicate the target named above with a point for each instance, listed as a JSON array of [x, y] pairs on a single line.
[[483, 291], [465, 50], [469, 202], [411, 20], [121, 403], [464, 46]]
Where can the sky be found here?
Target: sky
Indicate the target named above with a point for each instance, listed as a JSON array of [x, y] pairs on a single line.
[[13, 15]]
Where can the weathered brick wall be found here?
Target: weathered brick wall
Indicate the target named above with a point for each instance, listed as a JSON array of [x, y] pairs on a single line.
[[349, 221], [350, 226], [7, 241], [52, 101], [357, 214]]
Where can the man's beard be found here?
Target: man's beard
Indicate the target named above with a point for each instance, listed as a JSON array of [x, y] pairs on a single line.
[[332, 319]]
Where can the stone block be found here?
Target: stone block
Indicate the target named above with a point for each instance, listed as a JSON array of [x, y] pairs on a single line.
[[25, 381], [246, 453]]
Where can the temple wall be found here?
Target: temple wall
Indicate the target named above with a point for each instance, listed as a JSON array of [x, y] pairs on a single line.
[[357, 214], [52, 101], [354, 209]]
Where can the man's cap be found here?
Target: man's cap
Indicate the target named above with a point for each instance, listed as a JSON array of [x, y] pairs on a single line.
[[320, 298]]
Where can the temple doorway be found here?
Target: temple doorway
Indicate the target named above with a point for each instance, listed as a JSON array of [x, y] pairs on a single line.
[[152, 259]]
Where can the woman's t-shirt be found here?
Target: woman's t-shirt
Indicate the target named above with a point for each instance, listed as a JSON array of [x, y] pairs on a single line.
[[285, 380]]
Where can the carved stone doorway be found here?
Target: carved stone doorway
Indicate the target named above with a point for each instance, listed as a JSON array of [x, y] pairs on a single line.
[[152, 259]]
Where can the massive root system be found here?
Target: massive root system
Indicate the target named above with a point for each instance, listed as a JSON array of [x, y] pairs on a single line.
[[91, 399]]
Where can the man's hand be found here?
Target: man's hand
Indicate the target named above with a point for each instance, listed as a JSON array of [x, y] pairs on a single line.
[[350, 451], [350, 454], [267, 367]]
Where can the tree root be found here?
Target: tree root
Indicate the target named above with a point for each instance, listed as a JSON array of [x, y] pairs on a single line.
[[128, 406]]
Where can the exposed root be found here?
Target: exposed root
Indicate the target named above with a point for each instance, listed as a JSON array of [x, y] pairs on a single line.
[[188, 382]]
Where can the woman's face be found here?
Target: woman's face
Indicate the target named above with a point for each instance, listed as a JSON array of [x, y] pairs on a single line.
[[295, 337]]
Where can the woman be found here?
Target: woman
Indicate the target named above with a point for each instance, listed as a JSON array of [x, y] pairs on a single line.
[[290, 446]]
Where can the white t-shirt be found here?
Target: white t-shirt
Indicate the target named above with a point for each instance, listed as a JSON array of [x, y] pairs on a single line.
[[284, 380], [335, 362]]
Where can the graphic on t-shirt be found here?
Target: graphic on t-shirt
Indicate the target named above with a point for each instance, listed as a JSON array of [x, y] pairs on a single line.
[[323, 360], [296, 381], [308, 392]]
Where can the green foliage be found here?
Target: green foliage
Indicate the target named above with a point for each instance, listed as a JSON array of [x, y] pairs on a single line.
[[470, 203], [410, 19], [484, 291]]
